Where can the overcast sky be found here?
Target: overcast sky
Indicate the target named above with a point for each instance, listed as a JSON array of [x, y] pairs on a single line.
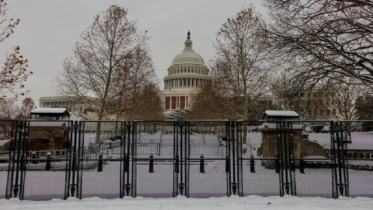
[[49, 30]]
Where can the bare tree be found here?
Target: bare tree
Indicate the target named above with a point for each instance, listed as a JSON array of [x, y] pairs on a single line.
[[137, 75], [25, 109], [334, 100], [326, 39], [146, 104], [343, 98], [309, 104], [13, 70], [239, 66], [209, 104], [8, 109], [364, 106], [101, 56]]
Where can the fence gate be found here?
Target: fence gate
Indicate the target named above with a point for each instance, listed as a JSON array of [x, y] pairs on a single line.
[[358, 162], [17, 161], [12, 183], [257, 159], [100, 166], [207, 150], [39, 160], [156, 160], [307, 160]]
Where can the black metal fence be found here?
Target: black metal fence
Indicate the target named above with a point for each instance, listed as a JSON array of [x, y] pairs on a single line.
[[42, 160]]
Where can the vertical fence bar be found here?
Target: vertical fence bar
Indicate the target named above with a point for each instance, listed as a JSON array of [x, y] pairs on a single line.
[[73, 156], [345, 129], [280, 157], [234, 153], [239, 158], [334, 160], [12, 160], [17, 147], [187, 157], [292, 159], [181, 160], [68, 159], [175, 145], [24, 161], [132, 142], [122, 162], [80, 161], [340, 164]]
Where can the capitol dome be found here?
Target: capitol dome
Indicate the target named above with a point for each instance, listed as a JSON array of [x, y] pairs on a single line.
[[186, 75], [188, 55]]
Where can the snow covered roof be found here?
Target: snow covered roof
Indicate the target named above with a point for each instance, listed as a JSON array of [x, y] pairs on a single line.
[[48, 111], [274, 113]]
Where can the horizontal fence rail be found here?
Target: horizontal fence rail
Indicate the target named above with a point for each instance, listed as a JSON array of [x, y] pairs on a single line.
[[42, 160]]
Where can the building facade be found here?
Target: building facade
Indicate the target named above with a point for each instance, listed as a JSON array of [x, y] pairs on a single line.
[[186, 75], [71, 103]]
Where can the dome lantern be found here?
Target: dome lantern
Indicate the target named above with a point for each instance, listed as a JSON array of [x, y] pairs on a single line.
[[188, 55]]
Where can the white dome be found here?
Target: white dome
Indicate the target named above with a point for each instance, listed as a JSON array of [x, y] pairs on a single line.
[[188, 55]]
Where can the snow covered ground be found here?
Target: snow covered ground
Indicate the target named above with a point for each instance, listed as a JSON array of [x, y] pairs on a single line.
[[181, 203], [44, 185]]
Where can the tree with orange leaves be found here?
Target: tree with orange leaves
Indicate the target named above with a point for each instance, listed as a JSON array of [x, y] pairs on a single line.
[[13, 70]]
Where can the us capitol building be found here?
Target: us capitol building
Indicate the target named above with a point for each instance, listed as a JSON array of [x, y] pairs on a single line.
[[186, 75]]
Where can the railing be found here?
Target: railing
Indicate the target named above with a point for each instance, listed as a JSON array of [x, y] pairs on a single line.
[[199, 159]]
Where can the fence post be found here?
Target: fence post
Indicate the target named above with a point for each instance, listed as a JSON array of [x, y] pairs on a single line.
[[277, 164], [292, 163], [33, 157], [23, 163], [126, 163], [99, 168], [252, 164], [176, 164], [151, 164], [227, 164], [202, 164], [301, 165], [48, 163]]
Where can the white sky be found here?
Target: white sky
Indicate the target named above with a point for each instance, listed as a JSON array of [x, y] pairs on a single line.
[[49, 29]]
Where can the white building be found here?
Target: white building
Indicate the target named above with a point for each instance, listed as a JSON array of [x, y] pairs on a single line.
[[185, 76], [71, 103]]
